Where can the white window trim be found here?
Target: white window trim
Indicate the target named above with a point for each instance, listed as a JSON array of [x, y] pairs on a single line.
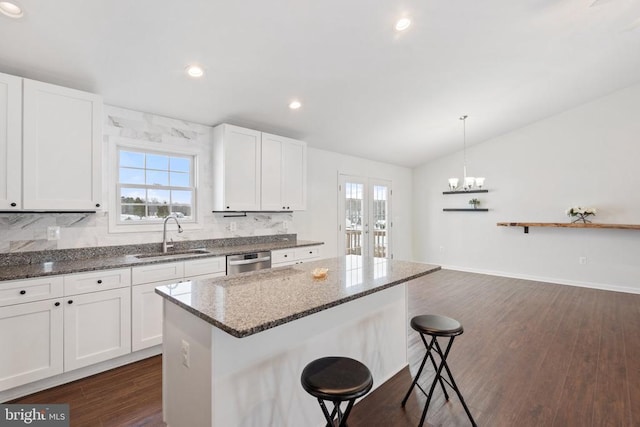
[[113, 173]]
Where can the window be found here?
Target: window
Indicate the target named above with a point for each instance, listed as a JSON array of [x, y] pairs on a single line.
[[153, 185]]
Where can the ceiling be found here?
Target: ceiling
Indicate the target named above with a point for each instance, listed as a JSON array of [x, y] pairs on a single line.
[[366, 89]]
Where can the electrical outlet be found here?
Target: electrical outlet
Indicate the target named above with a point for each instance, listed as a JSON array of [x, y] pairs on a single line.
[[53, 233], [582, 260], [285, 225], [186, 354], [233, 226], [441, 248]]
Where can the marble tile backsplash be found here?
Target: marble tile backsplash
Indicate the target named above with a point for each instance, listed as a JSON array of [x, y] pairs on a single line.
[[24, 232]]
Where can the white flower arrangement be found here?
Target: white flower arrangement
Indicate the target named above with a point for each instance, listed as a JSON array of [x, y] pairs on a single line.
[[581, 213]]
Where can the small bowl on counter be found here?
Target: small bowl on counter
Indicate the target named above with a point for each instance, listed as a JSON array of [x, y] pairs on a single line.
[[319, 273]]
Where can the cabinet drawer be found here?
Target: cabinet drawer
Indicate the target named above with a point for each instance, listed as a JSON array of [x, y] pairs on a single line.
[[283, 255], [20, 291], [82, 283], [157, 272], [198, 267], [307, 253]]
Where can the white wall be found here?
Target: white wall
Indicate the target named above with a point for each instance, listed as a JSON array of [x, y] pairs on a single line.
[[585, 156], [320, 220]]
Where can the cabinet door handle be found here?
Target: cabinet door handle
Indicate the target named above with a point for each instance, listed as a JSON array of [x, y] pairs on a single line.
[[97, 205], [22, 292], [57, 304], [13, 205], [99, 281], [70, 301]]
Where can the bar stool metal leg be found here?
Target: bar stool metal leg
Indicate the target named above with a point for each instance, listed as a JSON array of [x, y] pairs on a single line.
[[435, 366], [437, 326], [438, 377], [453, 382]]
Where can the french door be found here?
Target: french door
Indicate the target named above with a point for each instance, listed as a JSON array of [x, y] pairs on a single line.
[[364, 218]]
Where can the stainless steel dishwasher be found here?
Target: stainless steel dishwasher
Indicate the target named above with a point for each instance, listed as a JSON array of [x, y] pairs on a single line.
[[248, 262]]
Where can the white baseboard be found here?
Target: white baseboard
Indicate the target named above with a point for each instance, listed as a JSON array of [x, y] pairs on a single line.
[[591, 285], [77, 374]]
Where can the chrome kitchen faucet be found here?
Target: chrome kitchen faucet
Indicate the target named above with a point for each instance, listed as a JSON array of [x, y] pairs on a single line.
[[165, 246]]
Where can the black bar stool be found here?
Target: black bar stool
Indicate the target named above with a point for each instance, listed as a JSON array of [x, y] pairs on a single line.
[[437, 326], [336, 379]]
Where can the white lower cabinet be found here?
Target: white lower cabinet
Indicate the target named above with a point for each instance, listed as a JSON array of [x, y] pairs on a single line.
[[146, 305], [32, 342], [146, 311], [97, 327], [283, 257], [43, 333], [291, 256]]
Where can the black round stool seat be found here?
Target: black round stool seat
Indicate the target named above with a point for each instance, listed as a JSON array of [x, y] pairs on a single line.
[[336, 379], [440, 326]]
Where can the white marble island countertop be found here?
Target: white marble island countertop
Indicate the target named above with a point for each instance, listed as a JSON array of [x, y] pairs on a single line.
[[246, 304]]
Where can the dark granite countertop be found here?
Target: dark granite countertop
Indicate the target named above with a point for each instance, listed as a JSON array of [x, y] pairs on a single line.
[[45, 263], [248, 303]]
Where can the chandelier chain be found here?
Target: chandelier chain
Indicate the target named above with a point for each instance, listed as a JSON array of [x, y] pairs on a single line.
[[464, 144]]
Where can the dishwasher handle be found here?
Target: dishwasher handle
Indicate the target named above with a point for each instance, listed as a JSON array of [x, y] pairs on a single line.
[[250, 261]]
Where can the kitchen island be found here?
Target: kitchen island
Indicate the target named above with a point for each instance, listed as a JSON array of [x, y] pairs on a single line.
[[234, 347]]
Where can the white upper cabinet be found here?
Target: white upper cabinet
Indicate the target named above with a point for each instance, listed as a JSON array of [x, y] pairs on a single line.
[[62, 136], [255, 171], [284, 173], [294, 175], [10, 142], [236, 160]]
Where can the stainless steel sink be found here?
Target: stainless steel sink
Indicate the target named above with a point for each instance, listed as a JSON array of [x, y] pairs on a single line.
[[172, 254]]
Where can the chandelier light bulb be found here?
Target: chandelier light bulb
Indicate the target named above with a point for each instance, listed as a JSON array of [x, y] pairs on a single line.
[[195, 71], [403, 24]]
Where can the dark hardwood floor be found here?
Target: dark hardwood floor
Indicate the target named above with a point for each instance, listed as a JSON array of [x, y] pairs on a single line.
[[532, 354]]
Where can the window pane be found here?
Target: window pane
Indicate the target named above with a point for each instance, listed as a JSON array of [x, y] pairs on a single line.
[[155, 161], [159, 197], [157, 178], [128, 158], [182, 211], [162, 184], [161, 211], [181, 197], [132, 195], [131, 176], [180, 164], [133, 212], [179, 179]]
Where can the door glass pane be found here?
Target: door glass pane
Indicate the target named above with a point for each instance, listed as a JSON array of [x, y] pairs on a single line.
[[354, 199], [380, 221]]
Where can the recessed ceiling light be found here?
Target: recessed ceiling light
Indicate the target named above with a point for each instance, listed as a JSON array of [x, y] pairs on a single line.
[[295, 105], [11, 10], [195, 71], [403, 24]]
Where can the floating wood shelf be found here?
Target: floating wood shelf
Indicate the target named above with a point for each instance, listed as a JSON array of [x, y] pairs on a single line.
[[465, 192], [464, 210], [526, 225]]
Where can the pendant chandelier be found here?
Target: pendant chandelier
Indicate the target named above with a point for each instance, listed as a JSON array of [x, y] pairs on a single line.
[[468, 182]]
